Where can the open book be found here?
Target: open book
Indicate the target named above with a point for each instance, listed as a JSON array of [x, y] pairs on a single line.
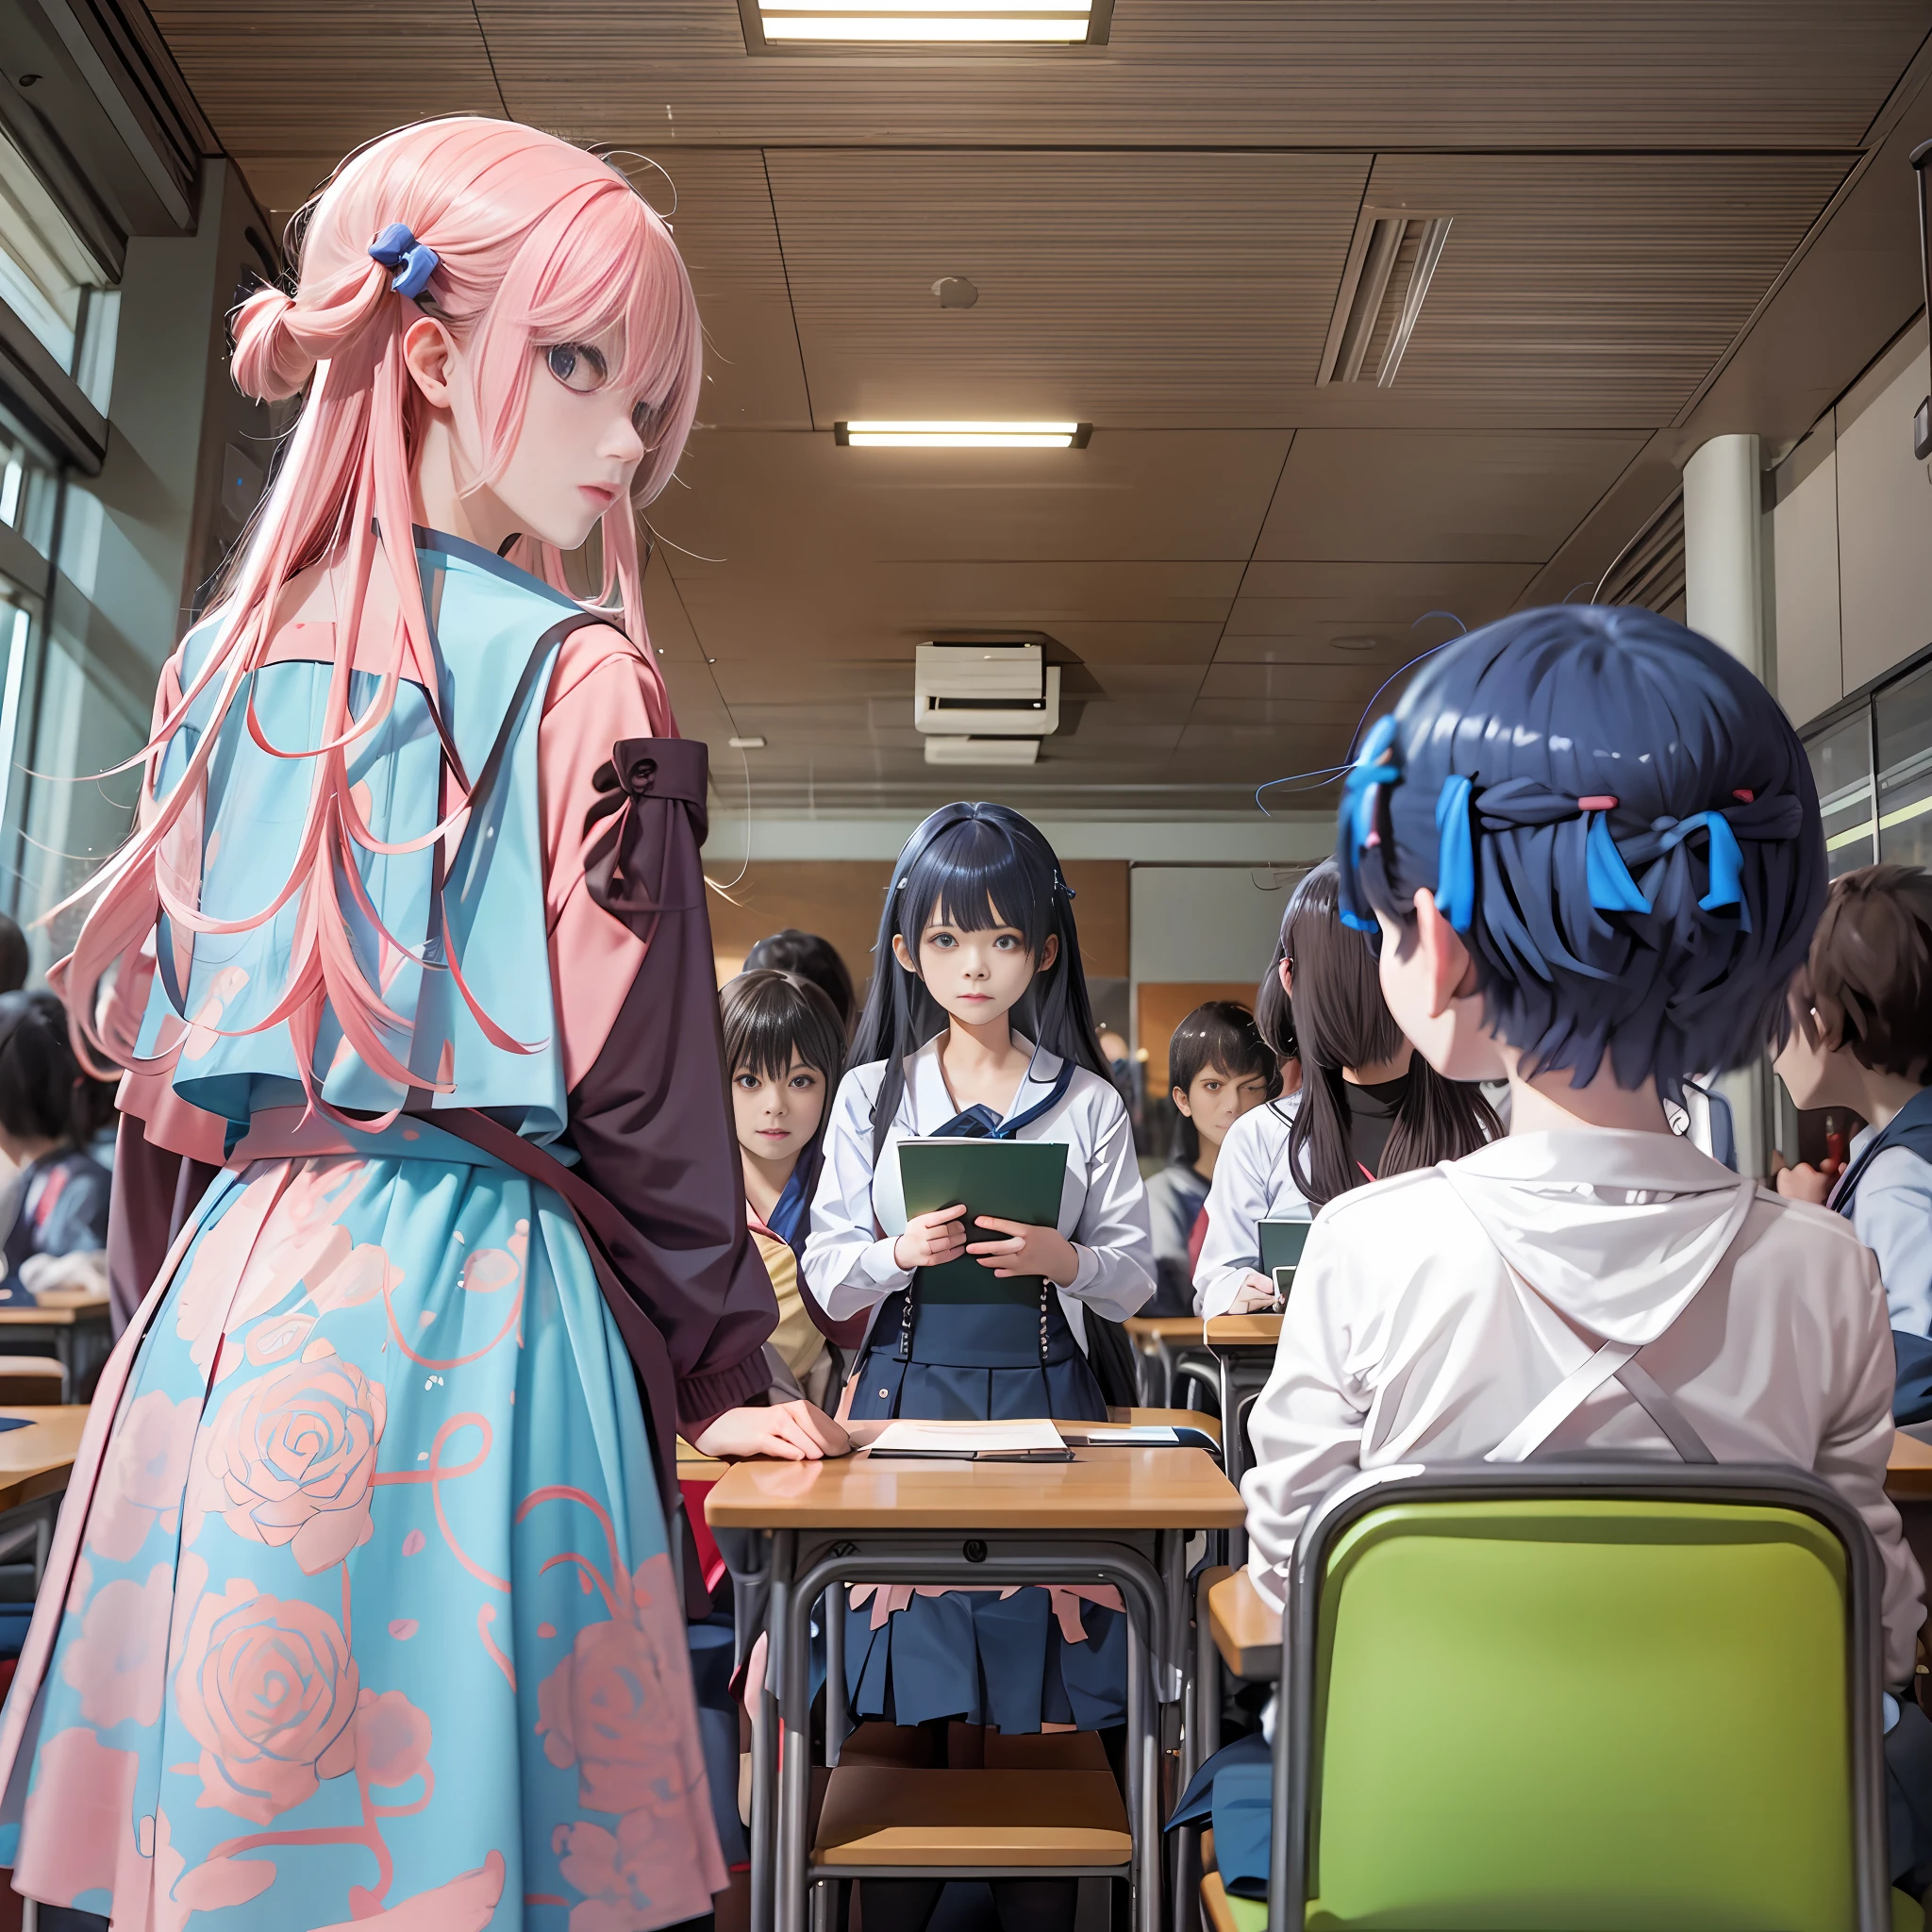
[[966, 1441]]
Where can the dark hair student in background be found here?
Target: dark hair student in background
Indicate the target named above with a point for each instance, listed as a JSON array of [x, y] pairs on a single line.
[[49, 1109], [810, 958], [1219, 1067]]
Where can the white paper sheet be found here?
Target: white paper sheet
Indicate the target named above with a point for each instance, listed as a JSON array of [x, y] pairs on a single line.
[[958, 1438]]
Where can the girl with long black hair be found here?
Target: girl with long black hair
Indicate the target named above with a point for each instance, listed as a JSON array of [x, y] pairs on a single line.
[[978, 1024], [1368, 1106]]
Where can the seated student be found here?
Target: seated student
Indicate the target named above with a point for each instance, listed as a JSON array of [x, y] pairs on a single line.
[[59, 1195], [813, 959], [1219, 1068], [1368, 1106], [786, 1048], [1861, 1039], [1590, 844]]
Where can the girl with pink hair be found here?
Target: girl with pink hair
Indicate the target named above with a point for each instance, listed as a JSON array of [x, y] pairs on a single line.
[[361, 1604]]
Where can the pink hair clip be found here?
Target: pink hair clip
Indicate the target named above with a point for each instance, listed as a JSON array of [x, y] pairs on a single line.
[[1597, 801]]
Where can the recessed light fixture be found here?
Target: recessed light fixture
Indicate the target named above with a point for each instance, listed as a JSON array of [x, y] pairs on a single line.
[[1355, 643], [1037, 23], [962, 435], [746, 743]]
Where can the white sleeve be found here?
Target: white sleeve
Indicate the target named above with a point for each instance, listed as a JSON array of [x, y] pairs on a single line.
[[1852, 1457], [1116, 1273], [848, 1267], [1307, 1425], [1892, 1214], [1237, 1200]]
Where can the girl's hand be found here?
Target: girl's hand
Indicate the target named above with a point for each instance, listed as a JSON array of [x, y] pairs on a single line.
[[789, 1431], [1803, 1184], [1027, 1251], [931, 1238], [1256, 1295]]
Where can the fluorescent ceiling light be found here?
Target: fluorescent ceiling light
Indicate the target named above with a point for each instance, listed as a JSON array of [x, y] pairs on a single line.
[[962, 435], [1037, 21], [1040, 22]]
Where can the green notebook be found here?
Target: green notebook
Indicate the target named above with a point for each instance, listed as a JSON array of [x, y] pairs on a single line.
[[1282, 1242], [1018, 1180]]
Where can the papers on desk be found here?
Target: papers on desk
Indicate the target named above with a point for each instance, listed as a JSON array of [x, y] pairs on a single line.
[[1130, 1436], [902, 1437]]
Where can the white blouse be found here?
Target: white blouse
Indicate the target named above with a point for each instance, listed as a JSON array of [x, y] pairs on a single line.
[[1253, 1182], [848, 1261]]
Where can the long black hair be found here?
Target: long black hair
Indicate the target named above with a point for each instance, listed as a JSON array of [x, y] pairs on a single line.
[[975, 866], [1341, 1019], [44, 1094]]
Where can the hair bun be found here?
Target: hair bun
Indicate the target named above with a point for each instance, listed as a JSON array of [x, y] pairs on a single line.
[[270, 361]]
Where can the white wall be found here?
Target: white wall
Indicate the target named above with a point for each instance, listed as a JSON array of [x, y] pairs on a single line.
[[1199, 921], [1851, 538]]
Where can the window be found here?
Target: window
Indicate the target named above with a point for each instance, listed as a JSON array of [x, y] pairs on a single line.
[[1842, 769], [51, 281], [1902, 715]]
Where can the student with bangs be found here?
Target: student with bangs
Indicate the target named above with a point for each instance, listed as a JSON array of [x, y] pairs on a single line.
[[1367, 1107], [977, 1024], [1589, 845], [785, 1046], [1219, 1069]]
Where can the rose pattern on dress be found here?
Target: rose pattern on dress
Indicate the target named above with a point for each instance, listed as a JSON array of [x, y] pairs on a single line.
[[144, 1475], [119, 1660], [290, 1459], [269, 1691]]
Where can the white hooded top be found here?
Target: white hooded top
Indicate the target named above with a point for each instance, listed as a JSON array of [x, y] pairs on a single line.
[[1434, 1310], [1253, 1182]]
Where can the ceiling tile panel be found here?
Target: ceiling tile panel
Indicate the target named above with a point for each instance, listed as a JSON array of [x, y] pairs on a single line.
[[1092, 271], [1454, 496], [1609, 284]]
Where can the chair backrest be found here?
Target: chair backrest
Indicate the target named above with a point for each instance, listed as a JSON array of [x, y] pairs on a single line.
[[1567, 1711]]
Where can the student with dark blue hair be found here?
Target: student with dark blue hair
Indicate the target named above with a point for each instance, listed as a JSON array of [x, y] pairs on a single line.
[[977, 1025], [1588, 850]]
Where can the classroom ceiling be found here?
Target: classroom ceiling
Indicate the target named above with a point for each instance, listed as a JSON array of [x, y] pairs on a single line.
[[1159, 231]]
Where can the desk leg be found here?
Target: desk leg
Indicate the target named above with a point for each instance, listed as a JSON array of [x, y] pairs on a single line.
[[832, 1609], [792, 1628], [764, 1738], [1204, 1716], [63, 1353], [1234, 1460], [1143, 1783], [1164, 1356]]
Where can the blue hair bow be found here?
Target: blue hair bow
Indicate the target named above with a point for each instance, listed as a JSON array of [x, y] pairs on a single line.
[[1613, 890], [411, 262], [1455, 853], [1376, 766]]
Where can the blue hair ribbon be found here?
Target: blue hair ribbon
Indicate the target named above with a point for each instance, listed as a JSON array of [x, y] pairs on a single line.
[[410, 262], [1727, 861], [1376, 766], [1611, 888], [1455, 853]]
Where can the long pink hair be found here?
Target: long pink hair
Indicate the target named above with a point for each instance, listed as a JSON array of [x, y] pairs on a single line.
[[539, 244]]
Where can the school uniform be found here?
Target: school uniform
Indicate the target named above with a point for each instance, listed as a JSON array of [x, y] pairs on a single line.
[[1886, 1193], [1436, 1318], [1010, 1659], [1175, 1197], [60, 1207], [1253, 1182]]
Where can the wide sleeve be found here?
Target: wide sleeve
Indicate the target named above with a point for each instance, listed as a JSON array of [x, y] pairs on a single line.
[[649, 1113], [1115, 1277], [1307, 1425], [848, 1265], [1237, 1202], [1852, 1456]]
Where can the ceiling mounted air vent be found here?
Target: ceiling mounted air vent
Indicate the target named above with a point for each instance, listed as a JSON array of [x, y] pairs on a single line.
[[985, 700], [1649, 570], [1390, 264]]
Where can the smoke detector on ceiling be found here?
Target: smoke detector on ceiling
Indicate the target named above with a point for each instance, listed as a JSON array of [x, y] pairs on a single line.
[[954, 292], [985, 700]]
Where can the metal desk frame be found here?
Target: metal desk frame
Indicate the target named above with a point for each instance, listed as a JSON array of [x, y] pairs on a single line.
[[806, 1565]]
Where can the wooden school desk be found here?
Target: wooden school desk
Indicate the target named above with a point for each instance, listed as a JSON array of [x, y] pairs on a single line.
[[35, 1464], [1111, 1516], [1159, 1341], [76, 1323]]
